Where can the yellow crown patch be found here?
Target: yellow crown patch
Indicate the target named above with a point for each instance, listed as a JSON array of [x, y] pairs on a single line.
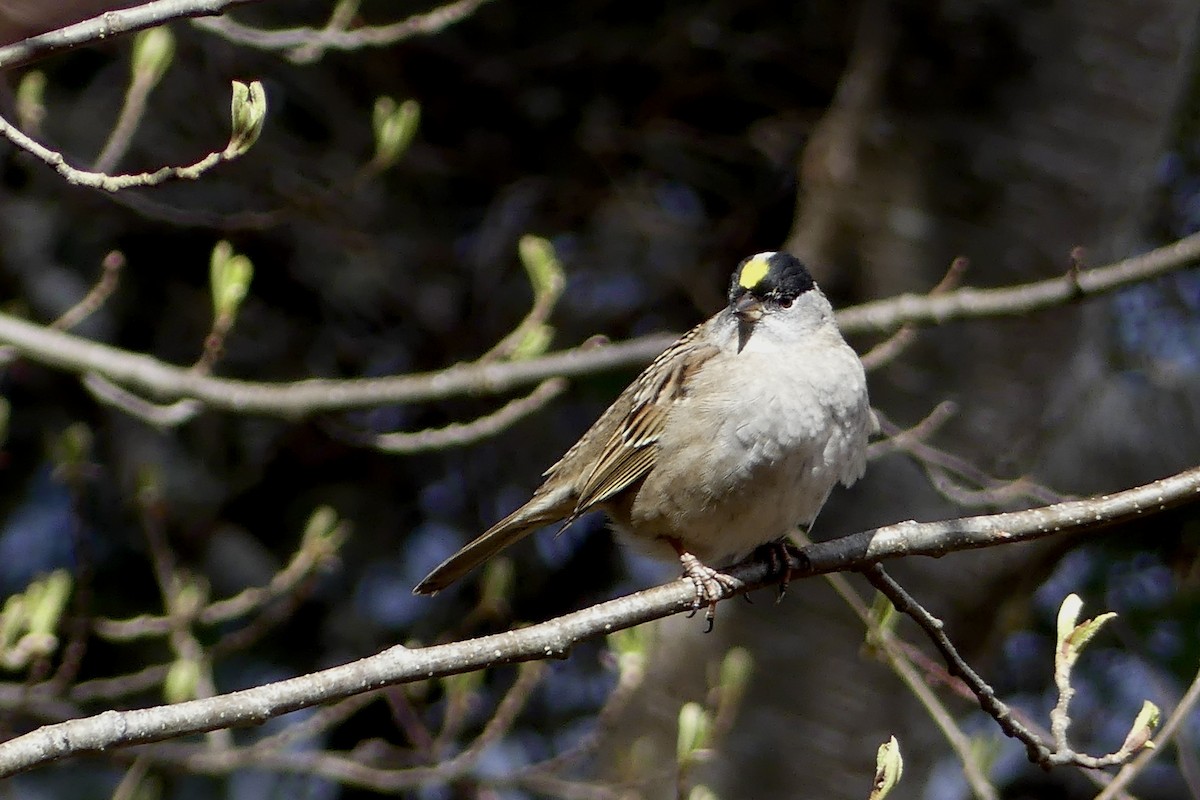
[[755, 270]]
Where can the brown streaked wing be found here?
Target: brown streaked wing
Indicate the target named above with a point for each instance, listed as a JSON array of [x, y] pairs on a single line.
[[630, 452]]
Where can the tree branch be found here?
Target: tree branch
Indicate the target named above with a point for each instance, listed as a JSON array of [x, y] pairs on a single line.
[[884, 316], [150, 376], [144, 374], [312, 42], [554, 639], [107, 25]]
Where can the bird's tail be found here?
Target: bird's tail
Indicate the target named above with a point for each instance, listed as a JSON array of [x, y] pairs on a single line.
[[537, 512]]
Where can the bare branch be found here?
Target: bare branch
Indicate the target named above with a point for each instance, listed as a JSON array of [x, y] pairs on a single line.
[[946, 470], [107, 284], [460, 434], [900, 661], [150, 376], [162, 416], [1036, 749], [112, 183], [884, 316], [107, 25], [554, 639], [142, 374], [308, 44], [891, 348]]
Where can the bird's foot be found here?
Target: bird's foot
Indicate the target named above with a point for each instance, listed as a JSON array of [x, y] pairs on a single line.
[[778, 555], [711, 585]]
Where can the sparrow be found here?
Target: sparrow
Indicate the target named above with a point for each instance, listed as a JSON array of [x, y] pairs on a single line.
[[730, 439]]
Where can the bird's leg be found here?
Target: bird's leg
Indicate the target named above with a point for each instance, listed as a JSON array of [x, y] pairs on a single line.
[[710, 584], [777, 555]]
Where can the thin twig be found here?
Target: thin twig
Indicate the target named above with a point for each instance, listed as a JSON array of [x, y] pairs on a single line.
[[107, 284], [1038, 751], [883, 316], [120, 687], [943, 467], [184, 644], [891, 348], [901, 663], [133, 109], [350, 771], [335, 38], [340, 19], [1170, 728], [107, 25], [309, 558], [112, 183], [459, 434], [160, 415], [1036, 746], [629, 681]]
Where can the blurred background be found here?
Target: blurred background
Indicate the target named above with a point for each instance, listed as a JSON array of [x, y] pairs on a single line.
[[655, 145]]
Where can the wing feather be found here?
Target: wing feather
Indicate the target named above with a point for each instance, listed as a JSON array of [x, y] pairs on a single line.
[[630, 452]]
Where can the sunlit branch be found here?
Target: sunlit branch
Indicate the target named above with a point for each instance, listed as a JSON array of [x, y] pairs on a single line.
[[555, 638]]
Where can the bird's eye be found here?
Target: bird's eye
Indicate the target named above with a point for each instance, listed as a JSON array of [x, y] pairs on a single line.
[[786, 302]]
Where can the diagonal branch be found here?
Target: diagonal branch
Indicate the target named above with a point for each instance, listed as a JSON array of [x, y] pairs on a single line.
[[107, 25], [555, 638], [884, 316]]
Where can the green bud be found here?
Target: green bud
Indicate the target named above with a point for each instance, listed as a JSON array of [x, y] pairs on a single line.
[[889, 767], [324, 533], [630, 646], [153, 51], [248, 112], [535, 342], [1072, 636], [695, 729], [984, 752], [31, 100], [543, 267], [734, 676], [1142, 729], [190, 595], [47, 599], [73, 447], [498, 580], [149, 488], [461, 687], [395, 127], [702, 792], [183, 677], [12, 621], [229, 275], [883, 613]]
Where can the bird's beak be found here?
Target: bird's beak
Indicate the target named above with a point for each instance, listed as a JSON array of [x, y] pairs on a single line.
[[748, 308]]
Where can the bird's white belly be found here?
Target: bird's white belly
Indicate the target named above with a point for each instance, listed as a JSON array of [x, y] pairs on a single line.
[[772, 458]]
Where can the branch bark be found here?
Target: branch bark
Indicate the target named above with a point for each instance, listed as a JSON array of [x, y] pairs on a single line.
[[147, 375], [554, 638], [107, 25]]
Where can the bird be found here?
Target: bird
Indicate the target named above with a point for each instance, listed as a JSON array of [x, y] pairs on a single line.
[[731, 438]]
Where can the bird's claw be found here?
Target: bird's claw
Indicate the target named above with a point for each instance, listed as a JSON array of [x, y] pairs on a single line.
[[710, 584], [777, 555]]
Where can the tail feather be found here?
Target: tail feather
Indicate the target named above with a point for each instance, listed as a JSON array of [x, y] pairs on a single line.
[[511, 529]]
